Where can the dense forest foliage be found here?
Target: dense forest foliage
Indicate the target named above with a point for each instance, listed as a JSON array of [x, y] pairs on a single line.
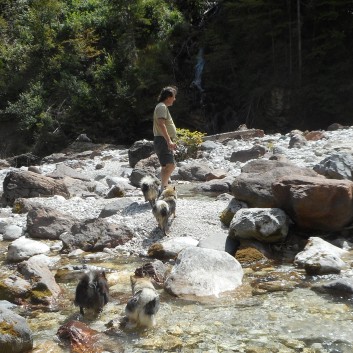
[[96, 66]]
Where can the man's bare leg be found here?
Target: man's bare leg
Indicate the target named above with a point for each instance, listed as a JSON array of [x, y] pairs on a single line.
[[166, 172]]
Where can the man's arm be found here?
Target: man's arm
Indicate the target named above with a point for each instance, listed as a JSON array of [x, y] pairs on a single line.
[[163, 128]]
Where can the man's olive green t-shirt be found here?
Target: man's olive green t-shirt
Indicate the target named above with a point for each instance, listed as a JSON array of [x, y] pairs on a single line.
[[162, 111]]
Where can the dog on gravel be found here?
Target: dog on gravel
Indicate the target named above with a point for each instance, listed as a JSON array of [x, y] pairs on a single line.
[[142, 307], [92, 292], [164, 207], [150, 188]]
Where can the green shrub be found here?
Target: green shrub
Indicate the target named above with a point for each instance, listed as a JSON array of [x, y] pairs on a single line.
[[188, 144]]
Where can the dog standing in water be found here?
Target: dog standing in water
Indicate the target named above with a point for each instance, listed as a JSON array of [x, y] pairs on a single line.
[[164, 207], [142, 307], [92, 292]]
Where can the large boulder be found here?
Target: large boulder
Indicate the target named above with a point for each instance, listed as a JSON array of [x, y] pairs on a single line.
[[48, 223], [140, 150], [254, 184], [203, 272], [315, 203], [95, 235], [199, 171], [28, 184]]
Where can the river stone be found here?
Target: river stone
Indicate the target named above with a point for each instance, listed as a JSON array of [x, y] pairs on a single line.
[[320, 257], [216, 185], [267, 225], [340, 286], [254, 184], [48, 223], [243, 156], [140, 150], [336, 166], [204, 272], [220, 242], [37, 271], [14, 288], [315, 203], [171, 247], [229, 212], [27, 184], [94, 235], [12, 232], [23, 248], [62, 170], [15, 334], [114, 207]]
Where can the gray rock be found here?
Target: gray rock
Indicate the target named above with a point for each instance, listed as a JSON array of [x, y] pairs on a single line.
[[336, 166], [140, 150], [47, 223], [62, 170], [95, 235], [12, 232], [37, 271], [267, 225], [220, 242], [320, 257], [21, 339], [115, 206], [246, 155]]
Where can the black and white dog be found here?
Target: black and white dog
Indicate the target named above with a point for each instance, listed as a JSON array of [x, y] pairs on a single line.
[[92, 292], [142, 307]]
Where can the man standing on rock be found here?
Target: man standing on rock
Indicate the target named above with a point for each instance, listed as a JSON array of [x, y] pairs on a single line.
[[164, 132]]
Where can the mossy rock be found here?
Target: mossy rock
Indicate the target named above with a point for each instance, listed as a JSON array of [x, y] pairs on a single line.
[[249, 255], [226, 217], [8, 329]]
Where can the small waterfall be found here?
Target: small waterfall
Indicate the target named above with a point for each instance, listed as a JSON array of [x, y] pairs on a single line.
[[198, 70]]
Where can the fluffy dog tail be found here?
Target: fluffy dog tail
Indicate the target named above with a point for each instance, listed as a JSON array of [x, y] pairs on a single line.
[[149, 187], [161, 212]]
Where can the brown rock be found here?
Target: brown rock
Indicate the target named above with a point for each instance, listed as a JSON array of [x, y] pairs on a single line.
[[315, 203], [253, 185], [314, 135], [28, 184], [80, 337]]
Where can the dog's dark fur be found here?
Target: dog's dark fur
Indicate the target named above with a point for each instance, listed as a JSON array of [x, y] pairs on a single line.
[[92, 291], [142, 307], [150, 187]]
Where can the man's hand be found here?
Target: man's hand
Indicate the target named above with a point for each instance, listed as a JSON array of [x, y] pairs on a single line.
[[171, 145]]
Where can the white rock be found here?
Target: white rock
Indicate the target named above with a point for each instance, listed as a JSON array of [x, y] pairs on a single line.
[[12, 232], [204, 272], [23, 248]]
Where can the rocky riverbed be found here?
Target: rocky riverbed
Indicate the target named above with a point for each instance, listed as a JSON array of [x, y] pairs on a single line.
[[286, 302]]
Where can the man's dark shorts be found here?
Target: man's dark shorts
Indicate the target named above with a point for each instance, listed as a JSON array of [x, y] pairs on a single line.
[[164, 155]]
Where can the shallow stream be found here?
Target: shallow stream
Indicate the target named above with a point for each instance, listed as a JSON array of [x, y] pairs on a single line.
[[273, 311]]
